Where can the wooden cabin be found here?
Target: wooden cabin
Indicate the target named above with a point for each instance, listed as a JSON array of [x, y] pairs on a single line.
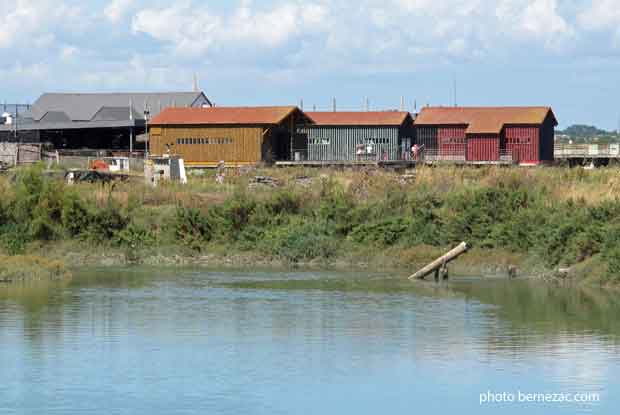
[[236, 135], [522, 135]]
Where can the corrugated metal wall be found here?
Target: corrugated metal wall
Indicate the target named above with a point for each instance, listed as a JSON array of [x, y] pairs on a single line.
[[340, 143], [483, 147], [523, 143], [427, 137]]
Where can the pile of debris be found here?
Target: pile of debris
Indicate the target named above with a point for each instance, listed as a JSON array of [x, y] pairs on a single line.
[[4, 166], [257, 181], [406, 178], [305, 181], [92, 176]]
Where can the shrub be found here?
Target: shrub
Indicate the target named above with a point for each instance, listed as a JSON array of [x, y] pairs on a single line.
[[300, 240], [135, 235], [192, 228], [106, 223], [75, 216], [383, 233], [611, 253], [14, 238]]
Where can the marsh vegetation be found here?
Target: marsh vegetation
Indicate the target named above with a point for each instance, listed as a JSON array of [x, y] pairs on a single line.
[[545, 218]]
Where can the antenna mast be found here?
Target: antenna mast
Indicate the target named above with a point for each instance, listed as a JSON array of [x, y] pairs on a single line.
[[455, 102], [195, 86]]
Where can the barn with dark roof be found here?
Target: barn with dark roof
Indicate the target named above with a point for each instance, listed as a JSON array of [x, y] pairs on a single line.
[[523, 135], [95, 120]]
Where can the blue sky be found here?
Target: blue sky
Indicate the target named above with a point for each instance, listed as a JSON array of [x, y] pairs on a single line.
[[562, 53]]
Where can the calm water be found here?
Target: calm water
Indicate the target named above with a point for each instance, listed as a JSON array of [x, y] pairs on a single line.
[[200, 342]]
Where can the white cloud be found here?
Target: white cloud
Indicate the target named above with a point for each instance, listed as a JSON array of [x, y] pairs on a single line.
[[193, 30], [24, 75], [273, 39], [117, 9], [36, 22], [601, 15], [68, 52], [541, 19]]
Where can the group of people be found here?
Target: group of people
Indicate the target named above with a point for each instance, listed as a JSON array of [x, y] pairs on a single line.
[[416, 152], [364, 151]]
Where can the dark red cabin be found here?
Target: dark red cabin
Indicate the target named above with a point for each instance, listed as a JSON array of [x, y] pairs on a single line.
[[487, 134]]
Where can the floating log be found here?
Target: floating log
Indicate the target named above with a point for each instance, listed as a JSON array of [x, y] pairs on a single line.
[[441, 262]]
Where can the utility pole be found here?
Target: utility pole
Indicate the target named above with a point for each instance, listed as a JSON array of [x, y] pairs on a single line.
[[455, 102], [16, 116], [147, 113], [130, 127], [334, 104]]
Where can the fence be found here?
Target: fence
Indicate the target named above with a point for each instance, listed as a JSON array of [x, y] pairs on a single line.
[[301, 155], [563, 151], [434, 155], [80, 159], [12, 154]]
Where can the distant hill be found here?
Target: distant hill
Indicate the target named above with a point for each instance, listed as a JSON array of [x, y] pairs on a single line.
[[586, 134], [584, 131]]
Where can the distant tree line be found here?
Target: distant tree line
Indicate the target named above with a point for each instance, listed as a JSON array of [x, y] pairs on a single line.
[[580, 133]]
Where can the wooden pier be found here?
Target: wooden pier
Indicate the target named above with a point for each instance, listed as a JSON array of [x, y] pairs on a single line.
[[581, 153]]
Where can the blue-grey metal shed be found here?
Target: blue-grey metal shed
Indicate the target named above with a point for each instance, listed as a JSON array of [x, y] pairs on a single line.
[[355, 136]]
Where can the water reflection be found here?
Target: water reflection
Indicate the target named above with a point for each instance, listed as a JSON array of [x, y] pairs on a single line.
[[273, 342]]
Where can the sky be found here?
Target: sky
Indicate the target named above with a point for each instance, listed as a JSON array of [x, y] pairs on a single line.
[[559, 53]]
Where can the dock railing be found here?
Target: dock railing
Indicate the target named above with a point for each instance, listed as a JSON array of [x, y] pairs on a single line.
[[425, 155], [565, 151], [434, 155]]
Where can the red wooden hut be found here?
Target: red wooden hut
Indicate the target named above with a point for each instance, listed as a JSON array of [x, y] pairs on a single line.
[[487, 134]]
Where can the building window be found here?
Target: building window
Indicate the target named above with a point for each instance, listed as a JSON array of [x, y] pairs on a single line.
[[319, 141], [220, 141]]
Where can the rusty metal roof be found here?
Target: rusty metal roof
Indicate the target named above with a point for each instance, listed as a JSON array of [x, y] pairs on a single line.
[[484, 120], [374, 118], [223, 116]]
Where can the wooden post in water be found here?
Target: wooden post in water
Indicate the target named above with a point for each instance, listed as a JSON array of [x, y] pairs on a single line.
[[441, 262]]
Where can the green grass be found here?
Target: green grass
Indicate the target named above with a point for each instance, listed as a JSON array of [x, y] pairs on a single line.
[[27, 268], [545, 217]]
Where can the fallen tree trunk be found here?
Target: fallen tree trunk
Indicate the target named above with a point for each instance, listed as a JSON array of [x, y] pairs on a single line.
[[439, 262]]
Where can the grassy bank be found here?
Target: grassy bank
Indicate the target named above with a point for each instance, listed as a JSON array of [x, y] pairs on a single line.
[[538, 219], [28, 268]]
